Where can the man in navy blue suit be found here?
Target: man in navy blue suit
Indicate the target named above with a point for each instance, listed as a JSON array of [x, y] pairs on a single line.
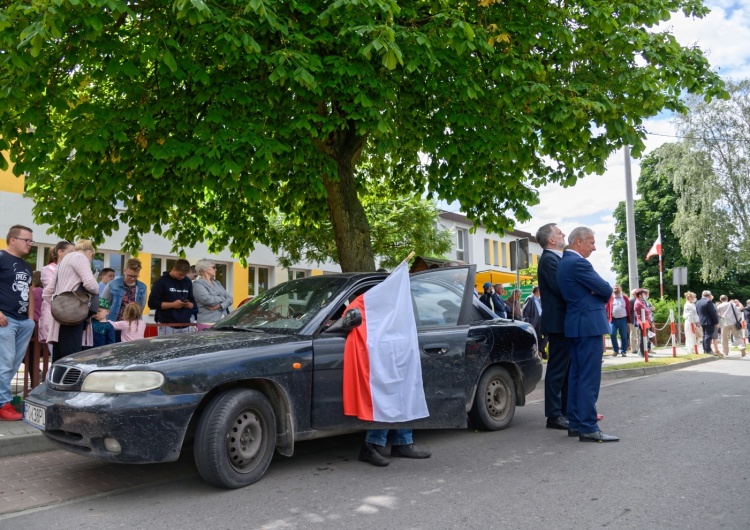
[[552, 240], [585, 293], [709, 318]]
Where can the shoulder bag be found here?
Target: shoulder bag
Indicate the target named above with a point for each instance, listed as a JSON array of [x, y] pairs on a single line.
[[70, 308]]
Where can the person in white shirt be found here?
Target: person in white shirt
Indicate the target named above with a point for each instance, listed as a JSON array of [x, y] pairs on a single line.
[[729, 318]]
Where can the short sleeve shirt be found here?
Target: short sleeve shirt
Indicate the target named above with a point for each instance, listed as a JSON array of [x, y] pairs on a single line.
[[15, 286]]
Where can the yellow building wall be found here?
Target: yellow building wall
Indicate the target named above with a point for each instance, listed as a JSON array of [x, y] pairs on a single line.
[[145, 258], [8, 181], [239, 281]]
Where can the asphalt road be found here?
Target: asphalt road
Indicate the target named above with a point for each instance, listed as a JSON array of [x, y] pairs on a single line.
[[682, 463]]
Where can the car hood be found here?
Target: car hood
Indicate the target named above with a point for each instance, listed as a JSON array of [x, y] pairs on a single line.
[[158, 349]]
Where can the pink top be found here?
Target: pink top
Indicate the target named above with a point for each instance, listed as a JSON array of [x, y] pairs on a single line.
[[130, 330], [48, 274], [74, 269]]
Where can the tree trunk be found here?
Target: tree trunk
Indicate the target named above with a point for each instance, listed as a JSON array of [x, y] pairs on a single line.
[[350, 226]]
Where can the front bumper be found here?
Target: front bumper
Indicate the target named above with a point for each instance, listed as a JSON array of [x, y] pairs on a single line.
[[149, 426]]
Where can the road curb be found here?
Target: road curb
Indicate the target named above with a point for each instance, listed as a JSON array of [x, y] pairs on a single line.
[[23, 444], [648, 370]]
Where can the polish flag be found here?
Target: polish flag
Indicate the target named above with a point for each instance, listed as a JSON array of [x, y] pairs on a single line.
[[656, 248], [382, 370]]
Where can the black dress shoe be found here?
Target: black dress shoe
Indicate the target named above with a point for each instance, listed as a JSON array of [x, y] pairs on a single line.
[[558, 422], [624, 355], [597, 436], [369, 453], [409, 451], [573, 432]]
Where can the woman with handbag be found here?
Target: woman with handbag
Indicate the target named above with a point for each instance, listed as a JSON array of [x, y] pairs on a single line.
[[73, 274], [212, 299]]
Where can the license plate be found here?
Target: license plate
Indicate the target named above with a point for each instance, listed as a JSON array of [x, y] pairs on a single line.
[[36, 416]]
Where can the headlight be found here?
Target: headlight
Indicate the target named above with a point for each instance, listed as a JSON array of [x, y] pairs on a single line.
[[122, 382]]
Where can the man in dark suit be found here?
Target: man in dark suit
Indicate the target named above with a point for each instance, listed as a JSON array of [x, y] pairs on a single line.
[[532, 314], [552, 240], [585, 293], [708, 317]]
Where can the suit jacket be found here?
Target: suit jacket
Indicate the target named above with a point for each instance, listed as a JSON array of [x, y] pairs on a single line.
[[706, 312], [585, 292], [553, 305]]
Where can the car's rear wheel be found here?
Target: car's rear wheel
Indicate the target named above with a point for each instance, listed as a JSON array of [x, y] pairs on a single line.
[[235, 439], [495, 400]]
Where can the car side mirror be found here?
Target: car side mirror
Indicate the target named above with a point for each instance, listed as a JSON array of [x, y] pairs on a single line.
[[350, 320]]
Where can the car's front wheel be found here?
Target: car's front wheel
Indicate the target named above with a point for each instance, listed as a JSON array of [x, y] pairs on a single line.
[[495, 399], [235, 439]]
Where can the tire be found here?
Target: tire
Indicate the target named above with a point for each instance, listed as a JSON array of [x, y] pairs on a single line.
[[495, 400], [235, 439]]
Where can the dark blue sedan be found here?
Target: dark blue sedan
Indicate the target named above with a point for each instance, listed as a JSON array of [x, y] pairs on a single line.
[[270, 374]]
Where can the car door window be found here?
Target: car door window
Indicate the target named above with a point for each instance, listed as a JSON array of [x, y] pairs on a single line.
[[437, 300]]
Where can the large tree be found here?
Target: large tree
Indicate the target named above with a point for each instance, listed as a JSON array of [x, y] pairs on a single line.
[[200, 117], [710, 169], [657, 204]]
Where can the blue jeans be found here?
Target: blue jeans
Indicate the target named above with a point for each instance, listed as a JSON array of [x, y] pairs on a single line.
[[380, 437], [14, 340], [621, 325]]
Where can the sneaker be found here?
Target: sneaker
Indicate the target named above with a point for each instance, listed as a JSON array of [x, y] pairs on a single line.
[[8, 413]]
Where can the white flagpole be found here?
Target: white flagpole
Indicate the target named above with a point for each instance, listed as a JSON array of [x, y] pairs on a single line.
[[661, 276]]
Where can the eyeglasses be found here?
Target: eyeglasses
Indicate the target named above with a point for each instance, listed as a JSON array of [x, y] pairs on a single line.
[[132, 276], [29, 241]]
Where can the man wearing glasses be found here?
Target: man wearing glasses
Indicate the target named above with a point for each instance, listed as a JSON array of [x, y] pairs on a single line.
[[16, 305], [123, 290]]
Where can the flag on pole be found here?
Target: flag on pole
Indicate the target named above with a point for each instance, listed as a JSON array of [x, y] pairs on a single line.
[[656, 248], [382, 370]]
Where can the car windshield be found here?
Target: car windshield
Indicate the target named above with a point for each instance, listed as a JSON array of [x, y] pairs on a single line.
[[287, 307]]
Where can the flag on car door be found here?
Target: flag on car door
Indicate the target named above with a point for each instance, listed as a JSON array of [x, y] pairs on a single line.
[[382, 370]]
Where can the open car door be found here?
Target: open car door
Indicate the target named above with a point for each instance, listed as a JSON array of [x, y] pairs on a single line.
[[442, 302]]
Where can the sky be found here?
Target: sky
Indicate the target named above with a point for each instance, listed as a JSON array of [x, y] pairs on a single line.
[[724, 37]]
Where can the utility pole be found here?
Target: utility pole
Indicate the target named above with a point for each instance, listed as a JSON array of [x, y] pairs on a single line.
[[633, 282]]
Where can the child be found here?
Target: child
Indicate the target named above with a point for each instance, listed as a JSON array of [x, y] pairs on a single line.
[[131, 325], [103, 331]]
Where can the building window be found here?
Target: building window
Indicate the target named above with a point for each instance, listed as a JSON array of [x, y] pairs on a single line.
[[257, 280], [487, 255], [495, 260], [505, 255], [295, 274], [461, 244]]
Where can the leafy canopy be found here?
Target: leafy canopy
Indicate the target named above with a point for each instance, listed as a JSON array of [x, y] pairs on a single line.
[[200, 117]]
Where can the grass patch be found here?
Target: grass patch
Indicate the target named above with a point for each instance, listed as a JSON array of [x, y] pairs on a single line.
[[655, 361]]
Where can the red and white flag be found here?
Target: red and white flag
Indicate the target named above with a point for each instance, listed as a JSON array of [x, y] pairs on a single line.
[[656, 248], [382, 370]]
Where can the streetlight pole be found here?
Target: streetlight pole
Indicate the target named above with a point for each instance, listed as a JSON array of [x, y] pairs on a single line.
[[630, 224]]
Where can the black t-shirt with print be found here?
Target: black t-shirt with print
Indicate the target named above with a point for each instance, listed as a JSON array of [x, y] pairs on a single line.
[[15, 286]]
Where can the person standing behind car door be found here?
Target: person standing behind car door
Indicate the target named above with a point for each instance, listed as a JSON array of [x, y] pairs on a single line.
[[172, 299]]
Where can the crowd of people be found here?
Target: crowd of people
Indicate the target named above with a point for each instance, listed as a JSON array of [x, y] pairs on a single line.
[[116, 304]]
